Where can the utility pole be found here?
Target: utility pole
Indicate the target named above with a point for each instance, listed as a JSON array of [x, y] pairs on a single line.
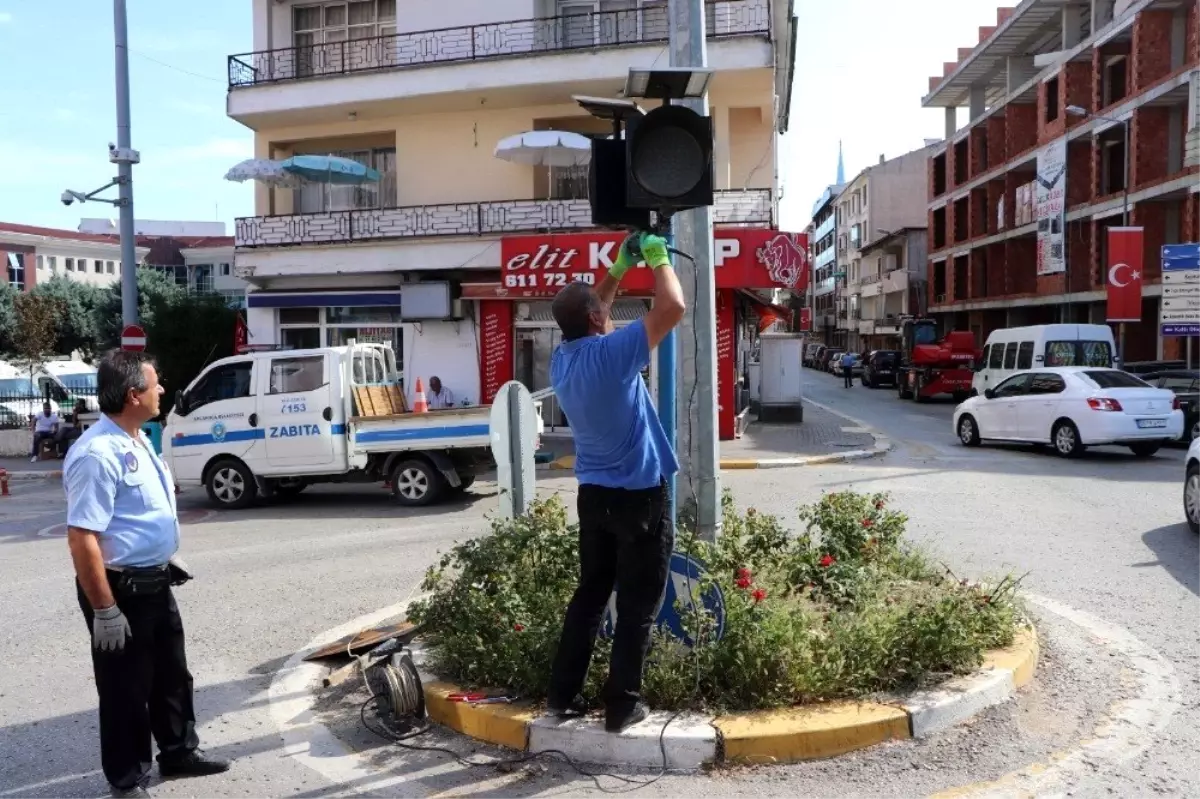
[[696, 367], [124, 156]]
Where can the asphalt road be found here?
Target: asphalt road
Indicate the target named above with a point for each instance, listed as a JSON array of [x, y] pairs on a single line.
[[1103, 535]]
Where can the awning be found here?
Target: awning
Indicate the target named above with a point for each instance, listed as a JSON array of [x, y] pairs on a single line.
[[768, 313], [324, 299]]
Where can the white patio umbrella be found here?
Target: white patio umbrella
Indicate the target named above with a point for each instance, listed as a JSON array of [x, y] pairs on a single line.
[[546, 148], [265, 171]]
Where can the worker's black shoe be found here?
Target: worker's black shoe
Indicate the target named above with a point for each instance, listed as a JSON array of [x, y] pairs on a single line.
[[620, 720], [574, 709], [193, 764], [137, 791]]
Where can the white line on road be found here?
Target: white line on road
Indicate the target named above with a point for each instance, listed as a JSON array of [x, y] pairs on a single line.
[[1130, 728]]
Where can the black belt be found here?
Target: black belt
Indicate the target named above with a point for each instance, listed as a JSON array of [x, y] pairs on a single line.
[[139, 581]]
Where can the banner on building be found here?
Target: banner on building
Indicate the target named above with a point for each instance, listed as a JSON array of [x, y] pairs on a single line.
[[1050, 205], [726, 368], [1124, 265], [805, 320], [241, 335], [495, 347]]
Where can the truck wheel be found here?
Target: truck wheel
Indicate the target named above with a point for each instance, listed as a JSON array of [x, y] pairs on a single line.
[[916, 389], [415, 483], [1065, 436], [230, 485], [1146, 450], [902, 387]]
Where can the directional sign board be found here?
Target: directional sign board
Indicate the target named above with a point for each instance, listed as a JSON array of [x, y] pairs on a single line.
[[684, 584], [1180, 314], [133, 338], [513, 429]]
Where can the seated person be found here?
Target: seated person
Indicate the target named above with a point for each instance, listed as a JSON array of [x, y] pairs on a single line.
[[71, 429], [45, 427]]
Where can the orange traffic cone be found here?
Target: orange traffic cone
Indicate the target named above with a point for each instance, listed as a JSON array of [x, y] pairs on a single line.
[[420, 404]]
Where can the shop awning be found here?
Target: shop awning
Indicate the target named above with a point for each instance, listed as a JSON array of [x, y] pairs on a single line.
[[325, 299], [768, 313]]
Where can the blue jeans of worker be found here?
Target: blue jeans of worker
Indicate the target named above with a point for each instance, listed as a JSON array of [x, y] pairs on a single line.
[[625, 542], [38, 438]]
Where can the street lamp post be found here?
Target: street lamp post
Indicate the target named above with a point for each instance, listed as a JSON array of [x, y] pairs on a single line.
[[1079, 111]]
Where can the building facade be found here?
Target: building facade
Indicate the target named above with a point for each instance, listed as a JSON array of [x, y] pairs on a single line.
[[1065, 101], [824, 265], [35, 255], [880, 200], [423, 259], [891, 285]]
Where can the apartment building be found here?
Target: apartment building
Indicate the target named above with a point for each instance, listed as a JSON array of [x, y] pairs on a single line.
[[199, 264], [34, 255], [449, 257], [879, 201], [1021, 198], [824, 244]]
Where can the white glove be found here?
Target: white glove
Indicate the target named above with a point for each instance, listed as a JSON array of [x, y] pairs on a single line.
[[110, 628]]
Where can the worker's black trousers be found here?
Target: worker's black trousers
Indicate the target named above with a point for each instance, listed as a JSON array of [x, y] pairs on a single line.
[[625, 542], [145, 689], [848, 378]]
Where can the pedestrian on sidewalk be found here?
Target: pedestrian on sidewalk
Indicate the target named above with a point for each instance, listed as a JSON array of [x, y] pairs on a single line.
[[123, 533], [848, 369], [622, 461]]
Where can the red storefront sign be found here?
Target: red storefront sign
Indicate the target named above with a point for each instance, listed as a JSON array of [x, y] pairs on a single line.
[[495, 347], [726, 368], [1125, 263], [538, 266]]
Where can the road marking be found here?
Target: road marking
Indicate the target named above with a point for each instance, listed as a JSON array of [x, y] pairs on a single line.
[[188, 517], [1131, 726], [855, 430]]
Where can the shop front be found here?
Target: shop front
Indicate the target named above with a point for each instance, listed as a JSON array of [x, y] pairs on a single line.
[[517, 333]]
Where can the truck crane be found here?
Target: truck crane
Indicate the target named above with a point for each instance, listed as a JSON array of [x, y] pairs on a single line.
[[931, 366]]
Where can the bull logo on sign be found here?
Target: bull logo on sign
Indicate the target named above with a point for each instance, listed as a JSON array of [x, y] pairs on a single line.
[[785, 261]]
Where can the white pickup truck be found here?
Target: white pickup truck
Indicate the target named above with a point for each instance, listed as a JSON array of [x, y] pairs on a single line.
[[272, 423]]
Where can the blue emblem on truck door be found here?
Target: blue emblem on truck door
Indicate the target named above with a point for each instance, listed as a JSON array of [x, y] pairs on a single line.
[[218, 432]]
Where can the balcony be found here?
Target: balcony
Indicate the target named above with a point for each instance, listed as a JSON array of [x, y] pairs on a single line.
[[732, 208], [590, 49], [870, 285], [896, 280]]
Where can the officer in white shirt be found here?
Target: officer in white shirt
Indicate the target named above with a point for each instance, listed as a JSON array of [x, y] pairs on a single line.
[[439, 395], [123, 533], [45, 428]]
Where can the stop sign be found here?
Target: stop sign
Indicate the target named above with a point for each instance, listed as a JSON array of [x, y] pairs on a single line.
[[133, 338]]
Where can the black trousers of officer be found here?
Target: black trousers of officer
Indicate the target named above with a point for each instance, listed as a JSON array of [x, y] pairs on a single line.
[[145, 689]]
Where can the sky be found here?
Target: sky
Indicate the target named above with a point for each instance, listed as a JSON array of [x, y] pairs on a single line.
[[862, 67]]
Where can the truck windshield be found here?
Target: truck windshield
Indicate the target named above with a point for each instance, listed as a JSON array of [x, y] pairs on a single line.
[[924, 334], [1078, 353], [79, 381]]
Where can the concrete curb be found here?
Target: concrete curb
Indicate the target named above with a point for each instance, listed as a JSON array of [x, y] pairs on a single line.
[[29, 474], [775, 736]]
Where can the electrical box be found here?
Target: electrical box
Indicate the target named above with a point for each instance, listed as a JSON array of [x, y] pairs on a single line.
[[780, 393]]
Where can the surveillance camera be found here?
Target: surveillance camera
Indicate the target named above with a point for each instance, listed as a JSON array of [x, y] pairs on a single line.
[[67, 198], [112, 146]]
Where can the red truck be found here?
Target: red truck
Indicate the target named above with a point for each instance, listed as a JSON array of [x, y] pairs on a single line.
[[931, 366]]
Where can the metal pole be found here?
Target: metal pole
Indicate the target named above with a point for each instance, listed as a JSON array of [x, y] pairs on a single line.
[[1124, 223], [699, 452], [129, 295]]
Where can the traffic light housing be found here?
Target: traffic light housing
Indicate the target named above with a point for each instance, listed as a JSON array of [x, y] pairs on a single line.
[[606, 188], [668, 160]]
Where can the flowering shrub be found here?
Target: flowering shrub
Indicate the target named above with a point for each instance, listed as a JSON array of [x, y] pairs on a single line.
[[843, 608]]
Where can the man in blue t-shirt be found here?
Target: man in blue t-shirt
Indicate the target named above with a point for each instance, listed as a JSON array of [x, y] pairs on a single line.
[[622, 461]]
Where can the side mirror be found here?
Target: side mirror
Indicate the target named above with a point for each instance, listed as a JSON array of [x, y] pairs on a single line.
[[180, 403], [990, 393]]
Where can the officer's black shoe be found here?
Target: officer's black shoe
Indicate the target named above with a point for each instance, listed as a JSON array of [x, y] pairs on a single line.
[[574, 709], [619, 721], [136, 792], [193, 764]]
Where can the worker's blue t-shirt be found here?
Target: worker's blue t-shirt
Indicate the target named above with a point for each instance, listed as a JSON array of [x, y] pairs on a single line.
[[619, 441]]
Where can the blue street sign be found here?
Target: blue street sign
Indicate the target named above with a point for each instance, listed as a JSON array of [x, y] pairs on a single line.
[[682, 584], [1177, 261]]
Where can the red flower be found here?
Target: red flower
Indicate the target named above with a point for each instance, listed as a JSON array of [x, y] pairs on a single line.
[[867, 523], [758, 594], [827, 561], [744, 574], [519, 627], [743, 582]]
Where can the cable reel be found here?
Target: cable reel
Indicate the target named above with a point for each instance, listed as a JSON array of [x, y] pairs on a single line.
[[396, 684]]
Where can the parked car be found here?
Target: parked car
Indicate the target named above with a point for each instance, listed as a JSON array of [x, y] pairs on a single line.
[[1072, 408], [1186, 385], [1191, 487], [1143, 368], [828, 357], [855, 369], [811, 353], [880, 368]]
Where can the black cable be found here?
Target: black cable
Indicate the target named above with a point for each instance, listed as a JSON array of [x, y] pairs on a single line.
[[400, 739]]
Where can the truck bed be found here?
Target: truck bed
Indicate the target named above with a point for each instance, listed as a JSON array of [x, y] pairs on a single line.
[[453, 428]]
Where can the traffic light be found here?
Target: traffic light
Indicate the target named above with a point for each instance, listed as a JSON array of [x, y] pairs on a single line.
[[668, 160], [606, 188]]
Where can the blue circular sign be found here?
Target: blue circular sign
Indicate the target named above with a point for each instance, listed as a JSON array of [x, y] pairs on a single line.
[[683, 583], [218, 431]]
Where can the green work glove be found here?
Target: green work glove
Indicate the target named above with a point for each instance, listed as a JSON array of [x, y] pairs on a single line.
[[654, 250], [625, 258]]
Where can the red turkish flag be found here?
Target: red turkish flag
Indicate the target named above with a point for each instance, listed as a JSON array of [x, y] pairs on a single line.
[[1125, 274], [240, 335]]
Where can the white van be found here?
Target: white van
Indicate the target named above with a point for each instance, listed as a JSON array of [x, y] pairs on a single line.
[[20, 394], [272, 423], [1013, 349], [67, 381]]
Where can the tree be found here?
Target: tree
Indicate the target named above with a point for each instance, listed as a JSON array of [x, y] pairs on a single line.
[[77, 329], [186, 332], [155, 291], [8, 318], [36, 330]]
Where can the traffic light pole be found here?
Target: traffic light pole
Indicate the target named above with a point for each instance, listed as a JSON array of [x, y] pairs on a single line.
[[125, 157], [694, 371]]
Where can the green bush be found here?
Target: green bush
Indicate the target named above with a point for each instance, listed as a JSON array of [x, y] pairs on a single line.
[[843, 608]]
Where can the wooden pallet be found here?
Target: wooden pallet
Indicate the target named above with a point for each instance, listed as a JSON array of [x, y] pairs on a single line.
[[379, 400]]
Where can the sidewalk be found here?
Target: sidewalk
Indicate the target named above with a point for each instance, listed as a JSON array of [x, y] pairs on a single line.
[[824, 436], [22, 469]]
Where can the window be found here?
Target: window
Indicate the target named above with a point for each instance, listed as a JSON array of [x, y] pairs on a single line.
[[1051, 98], [1010, 355], [320, 34], [987, 354], [52, 262], [1177, 383], [362, 315], [108, 267], [1046, 383], [70, 264], [314, 198], [224, 270], [1015, 386], [300, 338], [81, 265], [1078, 353], [1113, 378], [569, 182], [98, 266], [41, 263], [299, 316], [16, 271], [202, 278], [297, 375], [1025, 355], [226, 382]]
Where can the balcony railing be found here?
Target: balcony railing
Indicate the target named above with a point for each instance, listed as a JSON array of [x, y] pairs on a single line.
[[734, 207], [602, 29]]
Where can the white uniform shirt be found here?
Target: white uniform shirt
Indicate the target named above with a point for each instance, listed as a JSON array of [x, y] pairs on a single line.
[[442, 400]]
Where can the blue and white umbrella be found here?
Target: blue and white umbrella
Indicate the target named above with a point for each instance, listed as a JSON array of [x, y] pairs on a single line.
[[265, 171], [330, 169]]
